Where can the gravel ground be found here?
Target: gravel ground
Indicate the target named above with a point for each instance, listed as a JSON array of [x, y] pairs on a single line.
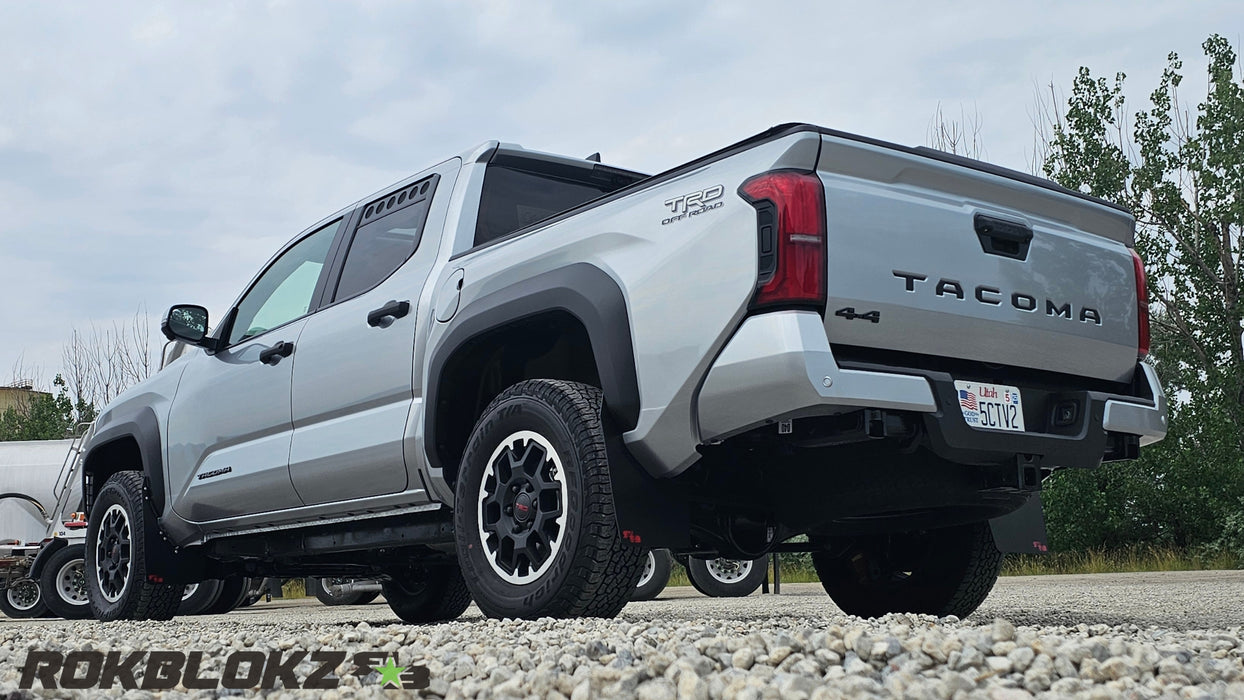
[[1125, 635]]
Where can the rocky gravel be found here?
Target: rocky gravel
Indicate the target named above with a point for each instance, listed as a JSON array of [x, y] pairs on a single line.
[[1141, 636]]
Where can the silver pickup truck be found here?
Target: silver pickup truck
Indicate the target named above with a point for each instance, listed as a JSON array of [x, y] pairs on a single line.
[[509, 376]]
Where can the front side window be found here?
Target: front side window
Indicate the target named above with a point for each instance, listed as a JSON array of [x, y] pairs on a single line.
[[285, 290]]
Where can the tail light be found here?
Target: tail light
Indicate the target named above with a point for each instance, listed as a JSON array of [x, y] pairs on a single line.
[[1142, 307], [790, 222]]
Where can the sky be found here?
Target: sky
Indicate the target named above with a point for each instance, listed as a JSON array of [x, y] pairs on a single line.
[[156, 153]]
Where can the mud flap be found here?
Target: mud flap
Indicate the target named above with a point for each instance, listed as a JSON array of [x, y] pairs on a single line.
[[1022, 531], [45, 552], [649, 511]]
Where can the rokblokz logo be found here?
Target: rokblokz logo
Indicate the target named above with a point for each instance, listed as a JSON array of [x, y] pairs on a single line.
[[242, 670]]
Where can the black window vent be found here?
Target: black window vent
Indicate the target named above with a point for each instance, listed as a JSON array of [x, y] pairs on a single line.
[[398, 200]]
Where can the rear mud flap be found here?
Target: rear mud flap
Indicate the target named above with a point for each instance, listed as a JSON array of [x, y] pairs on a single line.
[[1022, 531], [648, 511]]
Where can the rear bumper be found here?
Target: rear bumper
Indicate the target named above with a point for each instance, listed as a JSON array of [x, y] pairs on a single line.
[[780, 366]]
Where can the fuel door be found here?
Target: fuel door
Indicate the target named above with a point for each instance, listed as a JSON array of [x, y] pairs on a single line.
[[447, 296]]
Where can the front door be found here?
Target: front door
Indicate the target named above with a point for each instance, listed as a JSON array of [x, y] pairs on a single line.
[[230, 423]]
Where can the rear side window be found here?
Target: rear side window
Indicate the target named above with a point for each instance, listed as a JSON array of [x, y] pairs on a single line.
[[516, 195], [387, 236]]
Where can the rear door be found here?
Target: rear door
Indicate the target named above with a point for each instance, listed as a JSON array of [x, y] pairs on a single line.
[[937, 258], [354, 390]]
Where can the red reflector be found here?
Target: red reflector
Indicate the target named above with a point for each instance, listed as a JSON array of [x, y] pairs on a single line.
[[799, 239], [1142, 307]]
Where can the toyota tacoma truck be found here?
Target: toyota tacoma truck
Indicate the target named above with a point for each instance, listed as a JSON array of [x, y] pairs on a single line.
[[510, 375]]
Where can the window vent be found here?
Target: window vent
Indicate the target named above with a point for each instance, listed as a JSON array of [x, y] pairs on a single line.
[[398, 200]]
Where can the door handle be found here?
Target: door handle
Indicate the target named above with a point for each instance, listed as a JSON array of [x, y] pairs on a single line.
[[273, 355], [387, 314]]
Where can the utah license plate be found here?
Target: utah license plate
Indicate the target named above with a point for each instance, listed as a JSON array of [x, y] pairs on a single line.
[[991, 406]]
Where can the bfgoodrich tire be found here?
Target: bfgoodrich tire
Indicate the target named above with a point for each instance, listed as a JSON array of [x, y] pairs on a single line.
[[938, 572], [116, 575], [63, 583], [534, 513], [427, 593], [727, 578]]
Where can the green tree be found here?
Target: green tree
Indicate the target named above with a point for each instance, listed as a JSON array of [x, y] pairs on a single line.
[[45, 416], [1182, 172]]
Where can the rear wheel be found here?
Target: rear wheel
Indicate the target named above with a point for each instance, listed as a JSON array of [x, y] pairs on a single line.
[[938, 572], [116, 574], [727, 578], [63, 583], [427, 593], [535, 525], [23, 599], [655, 576]]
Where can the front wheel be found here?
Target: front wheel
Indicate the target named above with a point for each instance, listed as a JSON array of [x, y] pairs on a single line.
[[22, 599], [534, 518], [116, 574], [937, 572], [727, 578], [63, 582]]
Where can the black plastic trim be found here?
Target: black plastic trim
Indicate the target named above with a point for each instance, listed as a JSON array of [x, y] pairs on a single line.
[[580, 289], [143, 426]]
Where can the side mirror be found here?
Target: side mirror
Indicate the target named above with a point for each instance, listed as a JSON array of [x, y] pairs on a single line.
[[185, 322]]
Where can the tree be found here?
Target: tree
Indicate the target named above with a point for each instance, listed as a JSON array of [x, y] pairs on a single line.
[[1182, 173], [44, 416]]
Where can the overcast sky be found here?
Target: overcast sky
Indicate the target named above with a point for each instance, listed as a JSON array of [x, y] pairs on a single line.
[[155, 153]]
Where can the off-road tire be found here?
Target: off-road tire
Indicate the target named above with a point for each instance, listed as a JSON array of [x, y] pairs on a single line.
[[591, 569], [662, 564], [317, 587], [39, 609], [422, 594], [703, 580], [50, 579], [952, 572], [233, 590], [203, 597], [370, 596], [139, 599]]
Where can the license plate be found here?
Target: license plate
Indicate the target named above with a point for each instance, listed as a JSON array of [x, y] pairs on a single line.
[[991, 406]]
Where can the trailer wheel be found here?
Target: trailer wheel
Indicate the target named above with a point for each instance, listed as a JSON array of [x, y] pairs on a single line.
[[427, 593], [233, 591], [727, 578], [656, 575], [938, 572], [63, 583], [23, 599], [116, 574], [534, 520], [198, 597], [330, 591]]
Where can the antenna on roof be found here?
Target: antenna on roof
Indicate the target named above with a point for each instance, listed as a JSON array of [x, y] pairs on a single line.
[[595, 158]]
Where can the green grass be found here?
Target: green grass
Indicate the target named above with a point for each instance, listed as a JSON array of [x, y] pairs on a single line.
[[1129, 559]]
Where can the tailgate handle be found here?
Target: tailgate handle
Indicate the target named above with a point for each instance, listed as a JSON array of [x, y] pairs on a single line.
[[1008, 239]]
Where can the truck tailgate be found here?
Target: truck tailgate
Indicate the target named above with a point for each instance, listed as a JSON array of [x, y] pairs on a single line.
[[928, 256]]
